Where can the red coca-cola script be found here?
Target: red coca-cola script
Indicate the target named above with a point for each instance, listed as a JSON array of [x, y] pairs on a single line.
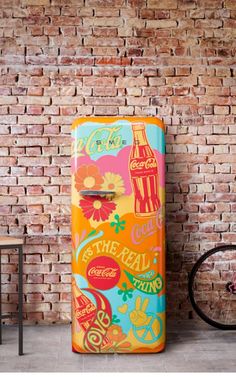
[[144, 167], [103, 273]]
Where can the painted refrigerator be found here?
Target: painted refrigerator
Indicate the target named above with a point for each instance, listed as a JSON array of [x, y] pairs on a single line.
[[118, 235]]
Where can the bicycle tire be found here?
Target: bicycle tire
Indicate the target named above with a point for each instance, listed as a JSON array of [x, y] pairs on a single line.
[[192, 276]]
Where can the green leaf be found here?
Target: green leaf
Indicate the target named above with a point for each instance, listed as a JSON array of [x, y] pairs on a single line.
[[115, 319], [91, 233]]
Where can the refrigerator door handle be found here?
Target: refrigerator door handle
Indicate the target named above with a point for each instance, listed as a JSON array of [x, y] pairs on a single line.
[[102, 193]]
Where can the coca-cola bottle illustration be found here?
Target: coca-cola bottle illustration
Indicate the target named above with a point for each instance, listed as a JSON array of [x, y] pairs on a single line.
[[84, 308], [144, 173], [85, 311]]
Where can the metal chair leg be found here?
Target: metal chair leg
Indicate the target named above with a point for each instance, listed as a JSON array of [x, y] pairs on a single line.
[[0, 297], [20, 300]]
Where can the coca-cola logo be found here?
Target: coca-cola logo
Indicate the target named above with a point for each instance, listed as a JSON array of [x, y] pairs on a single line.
[[103, 273], [140, 232], [87, 310], [149, 163]]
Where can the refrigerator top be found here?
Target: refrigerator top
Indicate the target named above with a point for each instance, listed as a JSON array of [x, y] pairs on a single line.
[[109, 119]]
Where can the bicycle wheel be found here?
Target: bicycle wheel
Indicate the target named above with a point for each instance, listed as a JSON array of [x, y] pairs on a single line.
[[212, 287]]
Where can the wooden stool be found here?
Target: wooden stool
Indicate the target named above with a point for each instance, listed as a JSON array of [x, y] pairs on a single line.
[[14, 243]]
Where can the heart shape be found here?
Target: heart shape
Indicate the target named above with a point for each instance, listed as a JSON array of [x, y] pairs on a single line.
[[123, 309]]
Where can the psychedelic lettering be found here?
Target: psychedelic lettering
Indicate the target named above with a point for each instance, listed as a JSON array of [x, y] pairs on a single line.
[[141, 232], [151, 287], [135, 261], [103, 139], [95, 335]]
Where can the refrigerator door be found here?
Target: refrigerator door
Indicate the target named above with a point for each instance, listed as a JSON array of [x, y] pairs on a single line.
[[118, 258]]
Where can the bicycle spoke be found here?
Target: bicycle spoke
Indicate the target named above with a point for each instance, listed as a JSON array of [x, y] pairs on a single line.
[[209, 279]]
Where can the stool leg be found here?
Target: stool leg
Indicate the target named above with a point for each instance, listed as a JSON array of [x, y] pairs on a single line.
[[0, 298], [20, 300]]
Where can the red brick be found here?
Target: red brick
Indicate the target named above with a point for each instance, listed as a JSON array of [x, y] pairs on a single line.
[[229, 238], [111, 60], [162, 4], [119, 101], [104, 92], [29, 119], [105, 110], [37, 199], [34, 229], [33, 161], [17, 109], [34, 190], [104, 42], [147, 13], [51, 30], [105, 32], [206, 24], [34, 110], [51, 297], [61, 268], [51, 278], [67, 60], [17, 190], [7, 100], [131, 82], [35, 209]]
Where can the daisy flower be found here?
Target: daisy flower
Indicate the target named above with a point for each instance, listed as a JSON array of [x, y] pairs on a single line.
[[113, 182], [88, 177], [96, 208]]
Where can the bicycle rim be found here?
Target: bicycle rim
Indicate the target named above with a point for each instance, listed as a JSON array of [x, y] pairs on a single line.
[[211, 287]]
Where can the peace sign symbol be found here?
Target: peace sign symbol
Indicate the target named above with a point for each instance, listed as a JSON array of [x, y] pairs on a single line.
[[147, 326], [150, 332]]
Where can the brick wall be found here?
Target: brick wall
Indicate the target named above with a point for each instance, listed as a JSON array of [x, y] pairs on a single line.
[[62, 59]]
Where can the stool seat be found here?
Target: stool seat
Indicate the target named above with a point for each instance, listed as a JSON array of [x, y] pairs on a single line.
[[10, 241]]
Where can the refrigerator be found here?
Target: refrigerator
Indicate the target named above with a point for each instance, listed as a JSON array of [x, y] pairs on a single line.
[[118, 235]]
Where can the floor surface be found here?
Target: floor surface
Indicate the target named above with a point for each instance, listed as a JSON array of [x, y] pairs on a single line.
[[191, 347]]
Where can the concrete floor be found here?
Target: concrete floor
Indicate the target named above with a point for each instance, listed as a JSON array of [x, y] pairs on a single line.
[[191, 347]]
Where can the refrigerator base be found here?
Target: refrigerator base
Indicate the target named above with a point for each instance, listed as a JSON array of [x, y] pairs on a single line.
[[160, 348]]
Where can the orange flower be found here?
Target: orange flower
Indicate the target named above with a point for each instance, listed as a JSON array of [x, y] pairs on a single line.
[[115, 334], [88, 177]]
